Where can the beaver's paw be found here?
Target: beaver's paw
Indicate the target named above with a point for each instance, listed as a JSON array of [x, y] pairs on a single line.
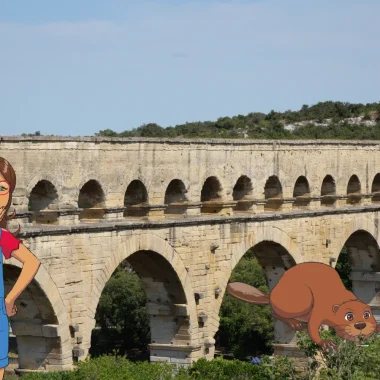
[[296, 325], [328, 345]]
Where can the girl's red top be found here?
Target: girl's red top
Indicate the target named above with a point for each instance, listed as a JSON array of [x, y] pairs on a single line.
[[8, 243]]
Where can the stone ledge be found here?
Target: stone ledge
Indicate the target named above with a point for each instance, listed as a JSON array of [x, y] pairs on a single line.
[[174, 347], [44, 230], [274, 144]]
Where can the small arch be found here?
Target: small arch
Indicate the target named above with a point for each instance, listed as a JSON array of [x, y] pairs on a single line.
[[328, 191], [43, 202], [353, 190], [43, 196], [375, 189], [242, 193], [301, 192], [92, 200], [211, 195], [136, 200], [273, 194], [175, 198]]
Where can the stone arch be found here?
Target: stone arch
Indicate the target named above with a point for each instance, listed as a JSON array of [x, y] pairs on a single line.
[[43, 196], [358, 224], [242, 193], [211, 195], [273, 194], [157, 264], [375, 188], [91, 194], [353, 190], [328, 191], [211, 189], [91, 200], [301, 192], [361, 240], [276, 252], [135, 198], [175, 198], [39, 178], [41, 321]]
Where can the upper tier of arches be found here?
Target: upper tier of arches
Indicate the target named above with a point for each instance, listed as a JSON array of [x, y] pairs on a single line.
[[45, 199]]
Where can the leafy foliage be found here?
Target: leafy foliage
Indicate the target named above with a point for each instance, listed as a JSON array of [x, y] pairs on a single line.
[[272, 125], [343, 267], [121, 314], [349, 361], [246, 328], [117, 368]]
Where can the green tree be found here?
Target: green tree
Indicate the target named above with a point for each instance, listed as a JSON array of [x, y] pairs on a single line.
[[246, 328], [121, 312]]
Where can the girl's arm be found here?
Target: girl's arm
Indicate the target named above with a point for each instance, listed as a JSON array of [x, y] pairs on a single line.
[[29, 270]]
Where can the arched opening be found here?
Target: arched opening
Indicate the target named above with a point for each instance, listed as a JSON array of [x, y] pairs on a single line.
[[43, 202], [136, 200], [328, 192], [246, 329], [375, 190], [358, 265], [242, 193], [273, 194], [353, 190], [92, 201], [34, 340], [211, 196], [142, 309], [301, 193], [175, 198]]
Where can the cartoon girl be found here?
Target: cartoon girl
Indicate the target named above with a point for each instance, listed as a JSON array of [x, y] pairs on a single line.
[[10, 246]]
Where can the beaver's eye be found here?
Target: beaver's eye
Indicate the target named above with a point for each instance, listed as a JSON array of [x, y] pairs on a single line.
[[366, 314], [349, 316]]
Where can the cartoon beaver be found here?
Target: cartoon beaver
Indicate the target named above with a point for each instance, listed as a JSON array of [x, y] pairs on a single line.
[[314, 293]]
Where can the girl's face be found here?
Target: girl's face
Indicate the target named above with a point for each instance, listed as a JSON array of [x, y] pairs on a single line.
[[4, 195]]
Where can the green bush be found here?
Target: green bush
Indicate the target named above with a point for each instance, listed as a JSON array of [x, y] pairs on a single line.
[[117, 368]]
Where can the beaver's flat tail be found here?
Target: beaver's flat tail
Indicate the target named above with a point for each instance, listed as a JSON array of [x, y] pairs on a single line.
[[247, 293]]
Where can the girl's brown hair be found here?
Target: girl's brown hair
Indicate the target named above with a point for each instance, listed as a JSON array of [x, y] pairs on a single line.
[[9, 174]]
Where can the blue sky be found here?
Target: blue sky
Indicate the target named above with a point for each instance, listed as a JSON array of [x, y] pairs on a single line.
[[77, 67]]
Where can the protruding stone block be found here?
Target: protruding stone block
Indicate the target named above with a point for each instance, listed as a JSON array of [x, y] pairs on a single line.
[[78, 352], [202, 317], [74, 328]]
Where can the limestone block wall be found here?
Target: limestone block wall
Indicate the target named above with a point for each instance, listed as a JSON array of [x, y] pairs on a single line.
[[68, 163], [185, 267]]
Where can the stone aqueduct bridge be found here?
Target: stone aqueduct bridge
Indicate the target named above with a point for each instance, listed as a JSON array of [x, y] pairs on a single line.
[[183, 213]]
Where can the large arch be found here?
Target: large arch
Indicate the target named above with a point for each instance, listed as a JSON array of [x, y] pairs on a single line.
[[276, 251], [357, 224], [361, 239], [41, 324], [162, 273]]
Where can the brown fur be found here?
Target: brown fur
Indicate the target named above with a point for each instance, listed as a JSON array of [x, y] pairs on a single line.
[[313, 293]]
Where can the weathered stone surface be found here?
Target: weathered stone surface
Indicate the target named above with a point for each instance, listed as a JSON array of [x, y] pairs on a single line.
[[272, 196]]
